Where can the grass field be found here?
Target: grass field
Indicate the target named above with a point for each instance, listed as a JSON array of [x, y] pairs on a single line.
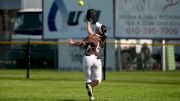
[[49, 85]]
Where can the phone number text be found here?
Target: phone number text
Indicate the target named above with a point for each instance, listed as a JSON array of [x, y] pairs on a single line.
[[152, 30]]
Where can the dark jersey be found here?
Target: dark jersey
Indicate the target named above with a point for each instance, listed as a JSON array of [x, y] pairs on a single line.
[[92, 45]]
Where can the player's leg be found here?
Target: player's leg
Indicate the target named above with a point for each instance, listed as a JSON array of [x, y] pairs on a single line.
[[90, 91], [96, 76], [97, 73], [87, 63]]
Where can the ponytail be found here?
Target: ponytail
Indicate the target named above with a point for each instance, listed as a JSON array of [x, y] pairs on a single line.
[[103, 35]]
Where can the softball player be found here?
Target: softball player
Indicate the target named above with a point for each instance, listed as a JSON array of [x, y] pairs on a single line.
[[92, 66]]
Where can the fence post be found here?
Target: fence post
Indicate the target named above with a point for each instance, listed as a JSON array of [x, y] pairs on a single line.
[[28, 59], [163, 55], [104, 65]]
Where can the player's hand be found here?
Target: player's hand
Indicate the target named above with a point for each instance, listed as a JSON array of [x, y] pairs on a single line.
[[70, 41]]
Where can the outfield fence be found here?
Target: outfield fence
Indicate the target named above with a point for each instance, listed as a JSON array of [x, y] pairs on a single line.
[[60, 56]]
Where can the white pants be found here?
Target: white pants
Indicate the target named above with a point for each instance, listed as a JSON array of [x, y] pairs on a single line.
[[92, 68]]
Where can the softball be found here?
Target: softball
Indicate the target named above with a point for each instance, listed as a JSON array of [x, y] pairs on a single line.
[[81, 3]]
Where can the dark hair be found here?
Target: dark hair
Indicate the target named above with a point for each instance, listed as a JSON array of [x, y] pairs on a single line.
[[104, 29], [103, 35]]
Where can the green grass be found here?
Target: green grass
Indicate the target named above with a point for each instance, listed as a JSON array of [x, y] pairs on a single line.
[[49, 85]]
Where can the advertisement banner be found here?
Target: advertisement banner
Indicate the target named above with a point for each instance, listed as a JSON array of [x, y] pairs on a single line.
[[147, 19], [65, 18]]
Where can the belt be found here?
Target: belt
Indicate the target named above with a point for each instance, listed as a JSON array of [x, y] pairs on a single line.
[[98, 57], [89, 55]]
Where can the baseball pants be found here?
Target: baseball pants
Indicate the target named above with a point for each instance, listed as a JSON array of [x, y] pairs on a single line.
[[92, 68]]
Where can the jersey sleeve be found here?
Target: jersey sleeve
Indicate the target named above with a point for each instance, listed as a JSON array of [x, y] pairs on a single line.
[[85, 40]]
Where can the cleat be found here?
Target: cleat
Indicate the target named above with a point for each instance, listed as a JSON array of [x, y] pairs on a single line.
[[92, 98]]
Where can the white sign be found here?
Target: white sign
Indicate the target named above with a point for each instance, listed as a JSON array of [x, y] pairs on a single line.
[[65, 18], [147, 19]]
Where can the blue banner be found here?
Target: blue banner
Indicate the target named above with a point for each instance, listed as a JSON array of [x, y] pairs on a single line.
[[65, 18]]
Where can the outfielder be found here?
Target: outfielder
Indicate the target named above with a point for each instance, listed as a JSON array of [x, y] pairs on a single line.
[[92, 66]]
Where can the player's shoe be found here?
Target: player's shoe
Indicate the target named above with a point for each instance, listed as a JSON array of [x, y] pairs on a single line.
[[91, 98], [90, 92]]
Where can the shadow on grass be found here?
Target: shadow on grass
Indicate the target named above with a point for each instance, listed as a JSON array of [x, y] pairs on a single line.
[[71, 100], [40, 79], [37, 100], [171, 82]]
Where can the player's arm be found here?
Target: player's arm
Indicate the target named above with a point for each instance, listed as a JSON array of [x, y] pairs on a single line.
[[73, 43], [90, 17], [89, 28]]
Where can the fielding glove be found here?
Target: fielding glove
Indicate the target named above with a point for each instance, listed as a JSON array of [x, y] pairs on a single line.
[[91, 15]]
